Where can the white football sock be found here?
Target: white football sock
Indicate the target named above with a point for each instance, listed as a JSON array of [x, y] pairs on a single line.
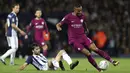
[[12, 56], [67, 58]]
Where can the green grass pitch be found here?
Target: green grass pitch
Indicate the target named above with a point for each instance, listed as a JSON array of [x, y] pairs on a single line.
[[83, 67]]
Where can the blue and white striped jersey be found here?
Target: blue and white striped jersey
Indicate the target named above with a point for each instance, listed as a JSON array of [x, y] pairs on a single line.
[[40, 62], [12, 19]]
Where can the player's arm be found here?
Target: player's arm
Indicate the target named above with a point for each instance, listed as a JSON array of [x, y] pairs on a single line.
[[85, 25], [13, 25], [29, 27], [63, 21], [6, 26], [46, 32], [46, 28], [18, 29], [28, 61], [86, 31], [22, 67]]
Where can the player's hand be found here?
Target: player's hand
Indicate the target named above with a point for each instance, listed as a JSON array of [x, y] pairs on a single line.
[[5, 33], [58, 28], [47, 35], [22, 33], [87, 31], [26, 37]]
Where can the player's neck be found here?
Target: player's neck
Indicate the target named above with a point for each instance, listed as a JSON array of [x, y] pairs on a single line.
[[14, 12], [36, 54], [38, 18], [74, 13]]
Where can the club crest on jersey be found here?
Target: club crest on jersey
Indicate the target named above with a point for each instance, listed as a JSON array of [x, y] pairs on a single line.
[[42, 23], [81, 20]]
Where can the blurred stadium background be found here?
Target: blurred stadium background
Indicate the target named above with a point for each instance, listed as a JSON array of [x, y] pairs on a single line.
[[109, 16], [106, 18]]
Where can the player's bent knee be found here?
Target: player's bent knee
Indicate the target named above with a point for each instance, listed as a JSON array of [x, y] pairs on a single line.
[[85, 52], [13, 50], [14, 47], [93, 47], [61, 52]]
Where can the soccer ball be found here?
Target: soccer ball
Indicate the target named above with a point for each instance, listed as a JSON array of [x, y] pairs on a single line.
[[103, 64]]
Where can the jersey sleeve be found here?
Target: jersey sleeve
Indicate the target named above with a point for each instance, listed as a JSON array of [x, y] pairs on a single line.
[[85, 24], [29, 60], [8, 21], [85, 19], [46, 28], [64, 20], [13, 19]]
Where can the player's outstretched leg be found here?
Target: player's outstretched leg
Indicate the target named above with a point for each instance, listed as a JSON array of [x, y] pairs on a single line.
[[93, 62], [10, 51], [107, 57], [74, 64], [103, 54], [90, 59]]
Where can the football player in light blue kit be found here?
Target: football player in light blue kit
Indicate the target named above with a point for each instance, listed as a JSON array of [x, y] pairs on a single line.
[[11, 27]]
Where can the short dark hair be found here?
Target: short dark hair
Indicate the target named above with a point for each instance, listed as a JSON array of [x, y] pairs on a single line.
[[77, 5], [33, 46], [14, 4], [38, 9]]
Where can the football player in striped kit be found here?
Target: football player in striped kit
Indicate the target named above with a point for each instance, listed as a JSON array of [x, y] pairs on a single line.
[[40, 62], [12, 28]]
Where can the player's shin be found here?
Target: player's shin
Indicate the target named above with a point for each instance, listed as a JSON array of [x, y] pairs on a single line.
[[104, 55], [93, 62], [12, 58], [90, 58], [66, 57]]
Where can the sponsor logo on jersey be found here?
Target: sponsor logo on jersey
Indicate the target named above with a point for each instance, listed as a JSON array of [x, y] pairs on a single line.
[[76, 25]]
